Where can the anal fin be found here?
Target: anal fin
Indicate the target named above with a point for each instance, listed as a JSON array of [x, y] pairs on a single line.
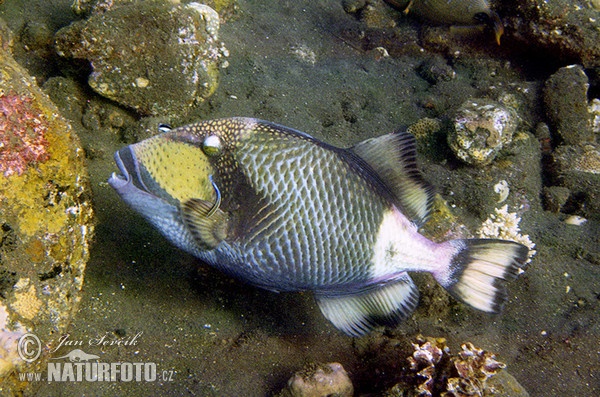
[[206, 223], [357, 312]]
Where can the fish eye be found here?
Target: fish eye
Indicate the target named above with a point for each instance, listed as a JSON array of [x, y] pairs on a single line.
[[164, 127], [212, 145]]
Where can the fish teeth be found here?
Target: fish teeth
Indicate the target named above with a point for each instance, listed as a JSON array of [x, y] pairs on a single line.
[[118, 176]]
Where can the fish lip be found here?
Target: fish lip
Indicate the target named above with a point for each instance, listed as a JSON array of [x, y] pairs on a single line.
[[118, 181]]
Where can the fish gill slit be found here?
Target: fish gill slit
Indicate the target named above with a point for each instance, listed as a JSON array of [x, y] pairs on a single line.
[[217, 203]]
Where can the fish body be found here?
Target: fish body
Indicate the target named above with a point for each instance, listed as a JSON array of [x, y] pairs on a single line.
[[458, 12], [454, 12], [283, 211]]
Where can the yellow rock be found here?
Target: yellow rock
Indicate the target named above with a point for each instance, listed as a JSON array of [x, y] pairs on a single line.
[[27, 304], [45, 220]]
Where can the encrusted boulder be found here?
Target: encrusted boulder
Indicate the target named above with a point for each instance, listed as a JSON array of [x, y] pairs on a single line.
[[319, 380], [562, 30], [45, 222], [91, 7], [152, 56], [481, 129]]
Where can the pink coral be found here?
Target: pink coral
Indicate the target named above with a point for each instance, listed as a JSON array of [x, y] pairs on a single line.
[[438, 373], [22, 130], [428, 353]]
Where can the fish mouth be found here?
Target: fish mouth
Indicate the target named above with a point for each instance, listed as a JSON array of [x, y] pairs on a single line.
[[133, 179], [119, 181], [130, 173]]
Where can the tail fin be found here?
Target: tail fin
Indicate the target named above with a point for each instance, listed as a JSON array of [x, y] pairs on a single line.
[[478, 270]]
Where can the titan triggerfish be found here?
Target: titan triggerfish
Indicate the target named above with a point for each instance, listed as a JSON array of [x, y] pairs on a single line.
[[284, 211], [454, 12]]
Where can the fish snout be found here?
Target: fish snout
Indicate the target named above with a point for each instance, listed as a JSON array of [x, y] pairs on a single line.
[[119, 181]]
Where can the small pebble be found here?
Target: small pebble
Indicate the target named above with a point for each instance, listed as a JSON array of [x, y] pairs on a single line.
[[575, 220]]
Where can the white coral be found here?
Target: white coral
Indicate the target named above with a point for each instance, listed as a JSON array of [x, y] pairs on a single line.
[[9, 357], [505, 225], [595, 112]]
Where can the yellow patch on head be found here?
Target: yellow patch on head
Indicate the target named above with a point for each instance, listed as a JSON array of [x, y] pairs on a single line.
[[180, 169]]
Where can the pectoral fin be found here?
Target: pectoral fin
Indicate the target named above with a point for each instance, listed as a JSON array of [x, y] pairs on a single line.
[[356, 313], [207, 223]]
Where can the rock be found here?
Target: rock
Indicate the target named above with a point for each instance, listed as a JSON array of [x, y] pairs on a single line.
[[321, 380], [6, 36], [566, 103], [504, 384], [45, 220], [152, 56], [481, 129], [91, 7], [435, 69], [578, 169], [474, 193], [555, 197], [373, 13], [353, 6], [37, 37], [557, 31]]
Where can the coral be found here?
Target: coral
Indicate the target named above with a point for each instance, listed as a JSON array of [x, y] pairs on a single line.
[[304, 53], [22, 134], [424, 127], [427, 355], [373, 13], [435, 69], [353, 6], [9, 357], [433, 371], [595, 111], [209, 16], [93, 7], [481, 129], [474, 367], [589, 161], [26, 303], [442, 224], [505, 225]]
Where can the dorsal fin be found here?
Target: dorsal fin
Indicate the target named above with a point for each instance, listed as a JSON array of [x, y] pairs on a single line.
[[393, 157]]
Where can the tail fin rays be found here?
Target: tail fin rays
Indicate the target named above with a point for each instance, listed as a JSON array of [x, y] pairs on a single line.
[[478, 271]]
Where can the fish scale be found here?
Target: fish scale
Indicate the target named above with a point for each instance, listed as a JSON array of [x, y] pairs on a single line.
[[283, 211], [325, 259]]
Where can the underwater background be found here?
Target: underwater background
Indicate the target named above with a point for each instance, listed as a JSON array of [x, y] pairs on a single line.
[[342, 71]]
